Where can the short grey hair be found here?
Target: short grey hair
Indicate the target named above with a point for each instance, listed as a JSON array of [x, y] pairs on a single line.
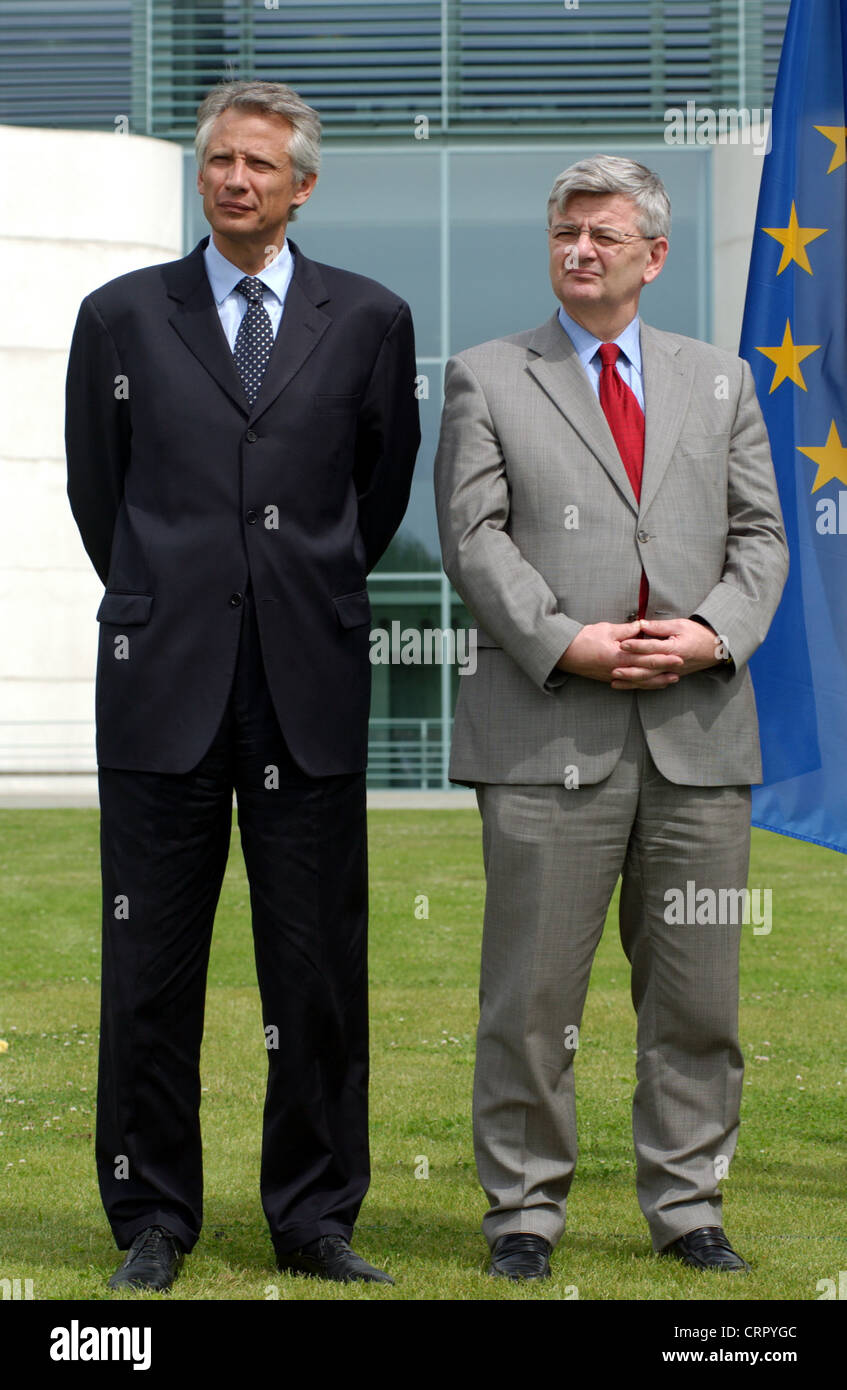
[[274, 98], [608, 173]]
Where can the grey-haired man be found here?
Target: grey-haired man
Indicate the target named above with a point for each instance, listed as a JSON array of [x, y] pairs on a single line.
[[608, 513], [233, 500]]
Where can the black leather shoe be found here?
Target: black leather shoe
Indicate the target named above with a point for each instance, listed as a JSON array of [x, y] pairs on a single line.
[[707, 1248], [330, 1257], [521, 1256], [152, 1262]]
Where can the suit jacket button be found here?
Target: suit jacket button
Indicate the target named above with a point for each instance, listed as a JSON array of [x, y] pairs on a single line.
[[630, 617], [251, 436], [643, 536], [252, 517], [236, 600]]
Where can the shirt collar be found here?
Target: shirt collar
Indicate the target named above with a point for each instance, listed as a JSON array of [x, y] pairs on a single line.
[[224, 276], [586, 345]]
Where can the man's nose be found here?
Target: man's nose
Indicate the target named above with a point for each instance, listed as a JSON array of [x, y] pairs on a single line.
[[582, 250], [236, 174]]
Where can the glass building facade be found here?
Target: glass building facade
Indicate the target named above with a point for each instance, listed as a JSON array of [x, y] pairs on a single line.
[[445, 124]]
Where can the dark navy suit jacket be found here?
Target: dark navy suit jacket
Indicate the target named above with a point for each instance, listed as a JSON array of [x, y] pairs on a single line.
[[184, 496]]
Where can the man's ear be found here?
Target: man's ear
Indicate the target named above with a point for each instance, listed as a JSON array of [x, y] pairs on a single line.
[[658, 256], [304, 190]]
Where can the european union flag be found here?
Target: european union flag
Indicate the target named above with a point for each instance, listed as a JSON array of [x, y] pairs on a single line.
[[795, 339]]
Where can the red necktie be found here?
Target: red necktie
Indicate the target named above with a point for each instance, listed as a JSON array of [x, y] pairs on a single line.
[[626, 421]]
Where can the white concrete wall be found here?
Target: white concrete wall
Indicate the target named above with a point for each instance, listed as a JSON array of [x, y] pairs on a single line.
[[78, 209], [736, 175]]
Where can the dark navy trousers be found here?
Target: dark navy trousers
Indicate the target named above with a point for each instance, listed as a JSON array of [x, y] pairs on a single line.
[[164, 847]]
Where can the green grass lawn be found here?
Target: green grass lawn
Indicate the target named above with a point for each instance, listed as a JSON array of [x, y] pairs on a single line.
[[784, 1198]]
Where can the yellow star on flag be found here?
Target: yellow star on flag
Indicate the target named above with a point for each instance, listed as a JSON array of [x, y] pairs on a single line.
[[787, 358], [794, 240], [838, 135], [831, 459]]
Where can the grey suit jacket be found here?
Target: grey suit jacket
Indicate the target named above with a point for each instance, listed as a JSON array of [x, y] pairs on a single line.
[[541, 534]]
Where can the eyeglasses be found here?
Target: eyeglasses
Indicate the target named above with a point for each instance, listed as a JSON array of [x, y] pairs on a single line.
[[603, 237]]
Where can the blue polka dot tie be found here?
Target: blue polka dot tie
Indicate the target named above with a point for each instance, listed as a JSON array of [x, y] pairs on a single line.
[[255, 337]]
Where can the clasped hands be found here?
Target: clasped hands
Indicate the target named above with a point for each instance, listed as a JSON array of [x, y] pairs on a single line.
[[647, 654]]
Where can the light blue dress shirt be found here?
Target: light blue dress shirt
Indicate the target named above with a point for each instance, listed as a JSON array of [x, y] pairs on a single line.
[[586, 347], [224, 276]]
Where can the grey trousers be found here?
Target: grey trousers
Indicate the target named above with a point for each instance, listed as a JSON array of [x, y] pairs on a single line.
[[552, 858]]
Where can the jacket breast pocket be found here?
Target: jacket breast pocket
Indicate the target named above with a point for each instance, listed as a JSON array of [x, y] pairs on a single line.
[[701, 445], [353, 609], [126, 610], [337, 405]]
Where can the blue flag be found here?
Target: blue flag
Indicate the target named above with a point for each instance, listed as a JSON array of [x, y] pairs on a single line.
[[795, 339]]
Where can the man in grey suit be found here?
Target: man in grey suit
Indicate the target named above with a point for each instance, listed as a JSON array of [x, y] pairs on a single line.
[[609, 514]]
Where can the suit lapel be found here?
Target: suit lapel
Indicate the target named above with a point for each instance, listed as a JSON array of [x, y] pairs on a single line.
[[667, 388], [302, 327], [559, 372], [196, 320]]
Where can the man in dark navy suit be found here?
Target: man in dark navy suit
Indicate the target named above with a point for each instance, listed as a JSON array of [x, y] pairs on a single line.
[[241, 433]]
